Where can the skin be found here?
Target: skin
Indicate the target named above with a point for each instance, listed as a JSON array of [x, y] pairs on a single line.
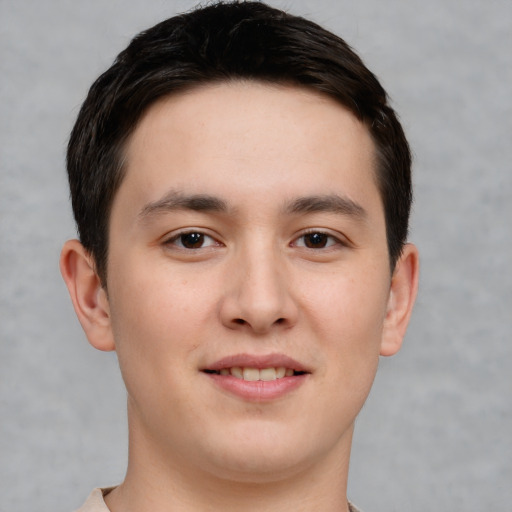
[[259, 282]]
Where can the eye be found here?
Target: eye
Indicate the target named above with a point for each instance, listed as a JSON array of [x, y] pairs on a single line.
[[316, 240], [192, 240]]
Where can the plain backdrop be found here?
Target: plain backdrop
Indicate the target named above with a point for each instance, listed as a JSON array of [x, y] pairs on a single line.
[[435, 433]]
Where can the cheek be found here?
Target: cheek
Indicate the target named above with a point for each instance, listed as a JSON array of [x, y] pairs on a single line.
[[157, 317], [344, 317], [157, 299], [347, 313], [348, 303]]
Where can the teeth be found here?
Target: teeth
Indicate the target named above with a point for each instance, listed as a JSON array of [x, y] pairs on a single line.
[[268, 374], [254, 374], [251, 374], [237, 372]]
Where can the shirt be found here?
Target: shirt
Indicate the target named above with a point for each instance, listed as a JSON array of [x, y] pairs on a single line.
[[96, 503]]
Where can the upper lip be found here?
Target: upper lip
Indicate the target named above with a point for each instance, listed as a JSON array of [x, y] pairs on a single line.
[[257, 361]]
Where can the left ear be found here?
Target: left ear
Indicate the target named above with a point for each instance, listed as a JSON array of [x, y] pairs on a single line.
[[402, 294]]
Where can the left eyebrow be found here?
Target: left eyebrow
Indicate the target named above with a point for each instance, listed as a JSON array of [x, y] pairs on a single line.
[[327, 203]]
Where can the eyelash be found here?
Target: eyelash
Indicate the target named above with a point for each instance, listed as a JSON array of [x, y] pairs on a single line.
[[177, 240], [332, 240], [179, 236]]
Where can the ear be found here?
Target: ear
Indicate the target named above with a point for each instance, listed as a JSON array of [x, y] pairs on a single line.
[[402, 294], [87, 294]]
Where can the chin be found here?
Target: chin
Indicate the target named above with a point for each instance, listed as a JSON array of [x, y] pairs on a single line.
[[249, 469], [267, 455]]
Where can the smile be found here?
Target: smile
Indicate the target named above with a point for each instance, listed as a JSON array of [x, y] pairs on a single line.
[[257, 378], [255, 374]]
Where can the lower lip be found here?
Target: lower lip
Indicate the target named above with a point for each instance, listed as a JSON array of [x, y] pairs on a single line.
[[259, 390]]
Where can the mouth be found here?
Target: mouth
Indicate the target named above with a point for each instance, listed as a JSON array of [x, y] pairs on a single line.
[[251, 374], [257, 378]]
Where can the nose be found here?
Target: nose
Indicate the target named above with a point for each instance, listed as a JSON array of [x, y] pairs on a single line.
[[258, 296]]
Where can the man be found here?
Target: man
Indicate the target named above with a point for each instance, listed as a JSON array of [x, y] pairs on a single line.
[[242, 191]]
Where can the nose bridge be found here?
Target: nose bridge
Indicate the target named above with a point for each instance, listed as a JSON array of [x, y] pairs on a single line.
[[263, 287], [259, 295]]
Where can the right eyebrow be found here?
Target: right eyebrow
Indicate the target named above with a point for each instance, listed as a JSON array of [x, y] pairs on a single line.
[[175, 200]]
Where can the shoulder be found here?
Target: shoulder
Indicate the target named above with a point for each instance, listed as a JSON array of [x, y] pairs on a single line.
[[95, 501]]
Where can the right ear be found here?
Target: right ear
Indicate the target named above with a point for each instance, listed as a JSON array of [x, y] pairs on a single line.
[[89, 297]]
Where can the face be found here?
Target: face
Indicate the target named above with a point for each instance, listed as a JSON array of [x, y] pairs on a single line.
[[248, 279]]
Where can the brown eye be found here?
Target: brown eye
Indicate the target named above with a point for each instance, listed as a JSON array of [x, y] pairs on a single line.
[[192, 240], [316, 240]]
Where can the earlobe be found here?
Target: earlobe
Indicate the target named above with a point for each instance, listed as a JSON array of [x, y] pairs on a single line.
[[404, 287], [87, 294]]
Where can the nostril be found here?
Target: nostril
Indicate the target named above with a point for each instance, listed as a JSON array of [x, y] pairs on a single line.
[[241, 321]]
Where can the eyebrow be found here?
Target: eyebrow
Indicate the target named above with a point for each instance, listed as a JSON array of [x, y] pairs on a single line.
[[175, 200], [327, 203]]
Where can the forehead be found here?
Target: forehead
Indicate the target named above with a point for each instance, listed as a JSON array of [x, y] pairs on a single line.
[[241, 139]]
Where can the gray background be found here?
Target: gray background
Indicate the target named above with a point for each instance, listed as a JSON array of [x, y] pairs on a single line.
[[436, 431]]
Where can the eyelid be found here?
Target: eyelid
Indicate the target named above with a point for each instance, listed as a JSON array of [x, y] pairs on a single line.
[[171, 238], [339, 239]]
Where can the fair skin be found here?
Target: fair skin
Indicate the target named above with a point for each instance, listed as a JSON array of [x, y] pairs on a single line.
[[248, 234]]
